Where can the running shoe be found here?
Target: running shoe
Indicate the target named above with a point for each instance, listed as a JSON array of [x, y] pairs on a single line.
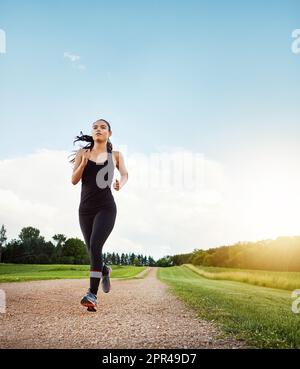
[[105, 280], [90, 301]]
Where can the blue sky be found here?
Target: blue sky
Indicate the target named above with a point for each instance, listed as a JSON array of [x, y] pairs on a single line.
[[216, 78], [198, 74]]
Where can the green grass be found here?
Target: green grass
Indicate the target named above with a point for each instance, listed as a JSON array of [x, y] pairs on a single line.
[[283, 280], [29, 272], [259, 315]]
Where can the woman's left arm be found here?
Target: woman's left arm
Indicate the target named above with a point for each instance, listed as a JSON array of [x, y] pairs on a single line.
[[123, 172]]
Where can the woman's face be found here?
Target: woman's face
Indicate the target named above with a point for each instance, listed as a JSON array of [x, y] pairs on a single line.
[[100, 131]]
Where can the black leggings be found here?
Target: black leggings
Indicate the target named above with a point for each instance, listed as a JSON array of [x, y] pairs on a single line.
[[95, 229]]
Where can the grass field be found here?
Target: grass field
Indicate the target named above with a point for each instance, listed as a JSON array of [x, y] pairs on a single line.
[[283, 280], [261, 316], [29, 272]]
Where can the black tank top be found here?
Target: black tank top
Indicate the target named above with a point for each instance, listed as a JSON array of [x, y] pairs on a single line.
[[96, 186]]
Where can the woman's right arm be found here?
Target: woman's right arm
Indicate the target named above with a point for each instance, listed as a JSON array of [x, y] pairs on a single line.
[[81, 159]]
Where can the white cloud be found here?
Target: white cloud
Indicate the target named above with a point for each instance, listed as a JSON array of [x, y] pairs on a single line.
[[36, 190], [157, 214], [71, 57], [74, 58]]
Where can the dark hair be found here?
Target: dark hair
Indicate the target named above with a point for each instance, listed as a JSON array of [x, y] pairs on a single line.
[[89, 139]]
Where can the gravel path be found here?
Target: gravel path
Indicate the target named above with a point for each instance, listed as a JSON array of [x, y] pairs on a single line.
[[137, 313]]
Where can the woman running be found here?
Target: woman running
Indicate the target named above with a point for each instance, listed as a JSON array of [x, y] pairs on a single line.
[[94, 164]]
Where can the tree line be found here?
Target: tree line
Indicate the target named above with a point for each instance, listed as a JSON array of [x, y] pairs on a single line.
[[31, 248], [281, 254]]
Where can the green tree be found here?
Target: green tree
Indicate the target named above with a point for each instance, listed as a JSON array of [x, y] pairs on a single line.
[[136, 262], [74, 252], [60, 240], [3, 239]]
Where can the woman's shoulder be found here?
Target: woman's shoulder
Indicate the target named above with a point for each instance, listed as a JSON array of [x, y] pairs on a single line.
[[80, 151], [116, 155]]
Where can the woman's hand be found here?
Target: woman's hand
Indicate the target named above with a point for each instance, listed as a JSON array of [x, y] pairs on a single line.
[[116, 185], [85, 157]]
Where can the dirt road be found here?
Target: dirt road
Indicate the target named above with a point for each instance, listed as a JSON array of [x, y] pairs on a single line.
[[136, 313]]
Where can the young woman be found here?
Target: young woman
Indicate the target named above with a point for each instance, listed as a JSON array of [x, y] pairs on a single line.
[[94, 164]]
